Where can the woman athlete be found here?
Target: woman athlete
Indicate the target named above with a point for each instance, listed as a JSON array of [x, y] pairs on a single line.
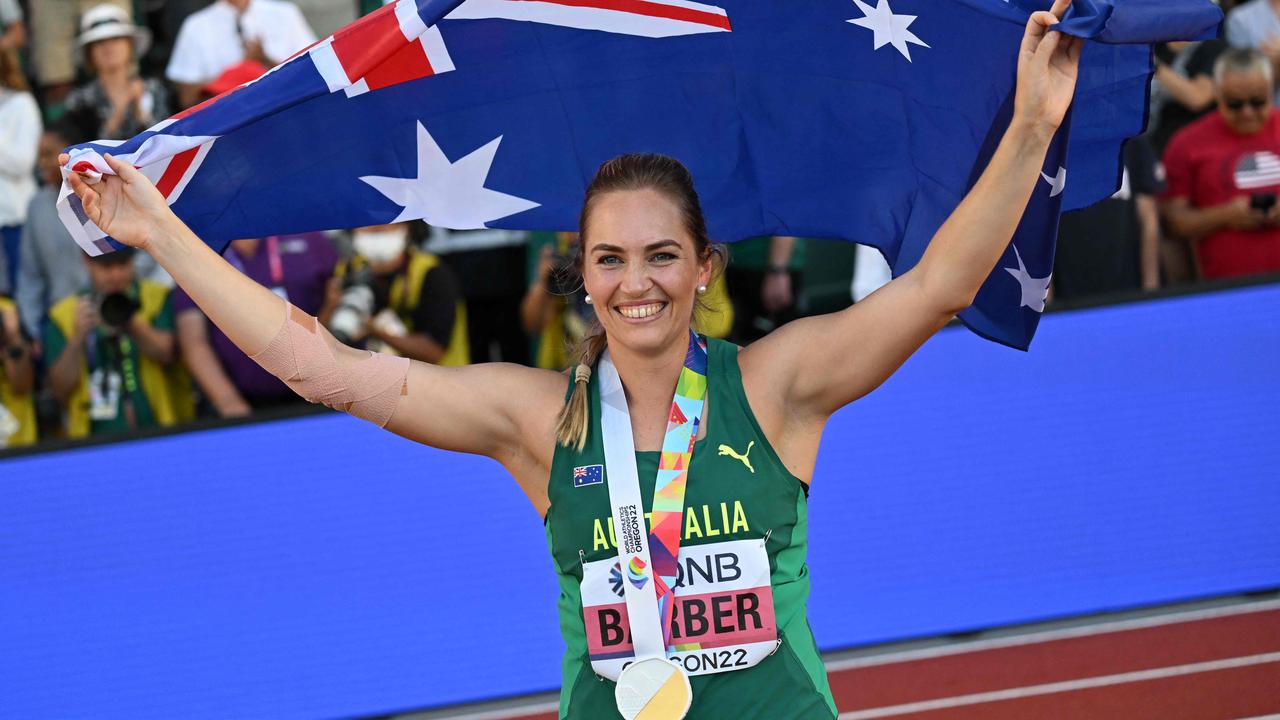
[[736, 625]]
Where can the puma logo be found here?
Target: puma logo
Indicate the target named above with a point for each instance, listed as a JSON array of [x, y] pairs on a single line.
[[726, 450]]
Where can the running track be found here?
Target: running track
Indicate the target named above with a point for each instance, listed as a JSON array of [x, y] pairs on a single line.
[[1206, 664]]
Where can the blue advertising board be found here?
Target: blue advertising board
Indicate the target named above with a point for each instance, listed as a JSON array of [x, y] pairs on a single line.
[[317, 567]]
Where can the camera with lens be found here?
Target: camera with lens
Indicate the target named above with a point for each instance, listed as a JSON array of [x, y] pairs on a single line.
[[355, 307], [116, 309]]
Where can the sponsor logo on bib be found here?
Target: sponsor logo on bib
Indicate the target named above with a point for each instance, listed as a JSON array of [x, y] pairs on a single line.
[[615, 580], [722, 618]]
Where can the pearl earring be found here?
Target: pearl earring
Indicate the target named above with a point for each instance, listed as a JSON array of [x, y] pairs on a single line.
[[702, 289], [587, 299]]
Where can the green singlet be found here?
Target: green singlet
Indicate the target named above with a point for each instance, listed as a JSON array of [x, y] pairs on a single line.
[[739, 493]]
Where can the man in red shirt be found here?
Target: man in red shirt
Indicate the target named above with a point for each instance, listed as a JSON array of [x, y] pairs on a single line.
[[1224, 173]]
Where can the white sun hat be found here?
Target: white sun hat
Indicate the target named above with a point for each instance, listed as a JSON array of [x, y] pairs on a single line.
[[103, 22]]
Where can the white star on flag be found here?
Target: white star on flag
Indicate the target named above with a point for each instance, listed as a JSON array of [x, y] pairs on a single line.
[[1057, 183], [1034, 290], [450, 195], [889, 29]]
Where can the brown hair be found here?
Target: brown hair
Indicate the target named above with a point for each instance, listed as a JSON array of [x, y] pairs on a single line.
[[637, 171], [11, 71]]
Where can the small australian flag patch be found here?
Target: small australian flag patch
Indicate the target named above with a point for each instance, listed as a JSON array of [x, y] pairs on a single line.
[[588, 475]]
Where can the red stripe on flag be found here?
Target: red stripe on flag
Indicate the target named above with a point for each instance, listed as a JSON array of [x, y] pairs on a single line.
[[375, 38], [407, 63], [651, 9], [177, 168]]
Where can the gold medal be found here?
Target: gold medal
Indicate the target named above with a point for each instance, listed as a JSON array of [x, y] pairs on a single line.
[[653, 689]]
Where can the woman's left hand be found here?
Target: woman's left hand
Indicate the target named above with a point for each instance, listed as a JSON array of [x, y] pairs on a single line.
[[1048, 63]]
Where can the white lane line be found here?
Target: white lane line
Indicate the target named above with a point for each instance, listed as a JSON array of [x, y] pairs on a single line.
[[503, 714], [943, 650], [1033, 638], [1058, 687]]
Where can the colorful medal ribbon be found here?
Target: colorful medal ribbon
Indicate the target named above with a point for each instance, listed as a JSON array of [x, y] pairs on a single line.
[[673, 477], [652, 686]]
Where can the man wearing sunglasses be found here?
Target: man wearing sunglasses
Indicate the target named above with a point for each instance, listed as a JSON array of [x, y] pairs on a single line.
[[1224, 173]]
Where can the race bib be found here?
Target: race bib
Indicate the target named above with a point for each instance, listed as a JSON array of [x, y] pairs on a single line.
[[723, 618]]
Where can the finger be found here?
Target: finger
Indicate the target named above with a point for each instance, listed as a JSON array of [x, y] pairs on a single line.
[[81, 188], [125, 171], [90, 205], [1048, 47], [63, 159], [77, 185], [1059, 8], [1075, 47], [88, 198], [1043, 20], [1037, 27]]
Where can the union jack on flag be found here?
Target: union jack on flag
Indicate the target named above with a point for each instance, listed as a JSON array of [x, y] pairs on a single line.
[[822, 118]]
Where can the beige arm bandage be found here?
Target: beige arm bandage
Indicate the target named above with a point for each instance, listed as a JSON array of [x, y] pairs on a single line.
[[301, 357]]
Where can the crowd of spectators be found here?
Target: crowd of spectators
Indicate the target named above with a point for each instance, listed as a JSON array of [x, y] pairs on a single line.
[[90, 346]]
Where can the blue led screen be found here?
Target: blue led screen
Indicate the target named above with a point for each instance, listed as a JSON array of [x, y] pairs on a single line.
[[318, 567]]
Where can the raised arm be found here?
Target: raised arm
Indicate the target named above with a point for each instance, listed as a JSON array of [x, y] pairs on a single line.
[[806, 370], [496, 410]]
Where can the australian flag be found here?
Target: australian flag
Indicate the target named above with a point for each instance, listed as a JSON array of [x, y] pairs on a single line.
[[588, 475], [865, 120]]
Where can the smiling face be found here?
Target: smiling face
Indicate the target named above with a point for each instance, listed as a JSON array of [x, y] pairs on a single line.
[[642, 269]]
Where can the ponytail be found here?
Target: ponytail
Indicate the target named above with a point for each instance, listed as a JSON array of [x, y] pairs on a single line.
[[575, 417]]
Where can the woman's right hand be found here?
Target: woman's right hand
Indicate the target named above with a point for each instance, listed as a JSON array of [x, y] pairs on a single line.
[[126, 206], [1048, 63]]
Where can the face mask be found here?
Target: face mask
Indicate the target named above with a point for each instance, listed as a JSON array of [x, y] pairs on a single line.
[[379, 246]]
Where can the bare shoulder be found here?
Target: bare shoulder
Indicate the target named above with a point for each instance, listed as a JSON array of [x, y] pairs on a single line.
[[771, 364], [767, 367]]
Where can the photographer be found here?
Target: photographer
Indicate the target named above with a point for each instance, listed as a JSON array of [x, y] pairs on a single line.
[[396, 299], [17, 379], [49, 265], [1223, 173], [109, 352], [554, 312]]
